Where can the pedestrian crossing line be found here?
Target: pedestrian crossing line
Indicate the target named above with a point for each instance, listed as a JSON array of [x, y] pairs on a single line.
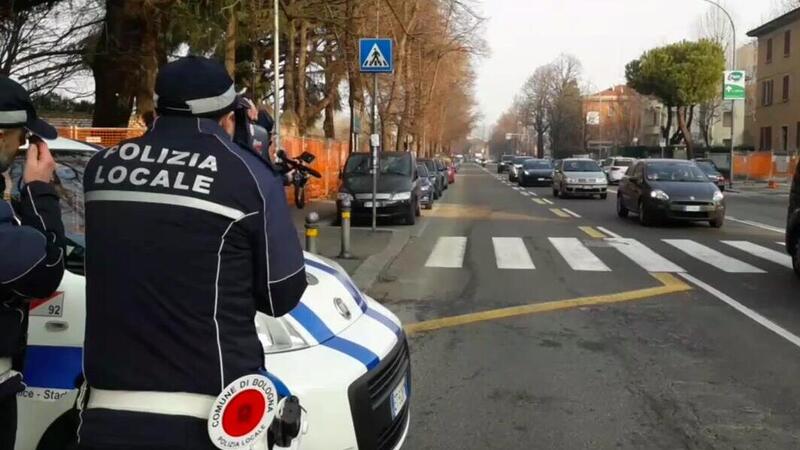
[[712, 257], [448, 252], [525, 193], [578, 256], [668, 284], [533, 194], [762, 252], [571, 213], [783, 244], [609, 232], [539, 201], [592, 232], [642, 255], [560, 213], [548, 201], [511, 253]]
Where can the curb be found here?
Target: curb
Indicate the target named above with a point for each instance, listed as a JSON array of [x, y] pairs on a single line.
[[369, 271]]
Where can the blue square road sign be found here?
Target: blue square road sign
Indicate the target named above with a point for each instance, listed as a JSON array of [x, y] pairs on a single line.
[[375, 55]]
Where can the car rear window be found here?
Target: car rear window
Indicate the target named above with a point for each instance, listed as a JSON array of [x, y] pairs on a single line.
[[389, 165], [623, 162], [538, 164]]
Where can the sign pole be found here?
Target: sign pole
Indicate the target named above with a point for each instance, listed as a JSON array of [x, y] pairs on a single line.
[[733, 105], [375, 144]]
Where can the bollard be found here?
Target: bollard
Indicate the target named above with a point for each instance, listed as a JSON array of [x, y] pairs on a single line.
[[312, 231], [346, 208]]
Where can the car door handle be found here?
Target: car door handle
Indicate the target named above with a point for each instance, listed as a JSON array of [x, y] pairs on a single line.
[[56, 325]]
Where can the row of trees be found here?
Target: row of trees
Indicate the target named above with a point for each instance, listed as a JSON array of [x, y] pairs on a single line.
[[53, 45], [547, 107]]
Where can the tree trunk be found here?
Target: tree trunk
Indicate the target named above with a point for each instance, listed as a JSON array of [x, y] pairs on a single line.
[[540, 144], [327, 125], [667, 130], [115, 65], [289, 117], [230, 44], [300, 79], [687, 136]]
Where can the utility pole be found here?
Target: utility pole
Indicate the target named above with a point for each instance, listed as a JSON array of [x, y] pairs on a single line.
[[733, 67]]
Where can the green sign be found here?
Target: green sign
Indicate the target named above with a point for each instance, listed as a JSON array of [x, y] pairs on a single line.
[[734, 85]]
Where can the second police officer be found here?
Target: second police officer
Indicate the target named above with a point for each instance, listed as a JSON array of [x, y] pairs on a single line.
[[188, 235]]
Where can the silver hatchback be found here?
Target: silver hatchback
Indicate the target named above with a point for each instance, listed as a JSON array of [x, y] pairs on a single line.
[[579, 177]]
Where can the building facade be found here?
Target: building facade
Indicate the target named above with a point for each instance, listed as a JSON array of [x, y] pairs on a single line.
[[777, 108], [613, 118]]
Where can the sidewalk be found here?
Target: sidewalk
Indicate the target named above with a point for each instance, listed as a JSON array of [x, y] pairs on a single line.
[[376, 249], [760, 187]]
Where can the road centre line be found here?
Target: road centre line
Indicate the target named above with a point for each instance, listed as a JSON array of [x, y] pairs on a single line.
[[758, 318], [548, 201], [669, 285], [592, 232], [609, 232], [539, 201], [763, 226], [559, 213], [571, 213]]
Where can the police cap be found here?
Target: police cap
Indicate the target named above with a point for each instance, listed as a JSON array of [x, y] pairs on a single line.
[[17, 111], [194, 86]]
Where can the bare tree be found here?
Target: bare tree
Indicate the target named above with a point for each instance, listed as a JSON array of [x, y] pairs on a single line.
[[565, 110]]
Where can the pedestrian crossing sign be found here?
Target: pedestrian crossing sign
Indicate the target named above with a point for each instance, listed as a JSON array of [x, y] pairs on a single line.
[[375, 55]]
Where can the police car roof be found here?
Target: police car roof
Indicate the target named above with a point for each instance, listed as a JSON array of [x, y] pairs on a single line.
[[68, 144]]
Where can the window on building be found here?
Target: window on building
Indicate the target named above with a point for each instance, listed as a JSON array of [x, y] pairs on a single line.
[[766, 92], [787, 43], [769, 50], [784, 138], [727, 119], [785, 88], [765, 142]]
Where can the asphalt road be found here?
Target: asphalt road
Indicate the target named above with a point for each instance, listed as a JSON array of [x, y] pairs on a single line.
[[561, 326]]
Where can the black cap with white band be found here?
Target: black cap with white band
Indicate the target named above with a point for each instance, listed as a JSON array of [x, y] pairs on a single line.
[[194, 86], [17, 110]]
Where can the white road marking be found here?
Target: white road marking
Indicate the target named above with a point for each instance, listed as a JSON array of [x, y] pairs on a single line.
[[511, 253], [534, 193], [539, 201], [448, 252], [763, 226], [642, 255], [758, 318], [781, 243], [762, 252], [548, 201], [613, 191], [525, 193], [517, 188], [571, 213], [578, 256], [609, 232], [708, 255]]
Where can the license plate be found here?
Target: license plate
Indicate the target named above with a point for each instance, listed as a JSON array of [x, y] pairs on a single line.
[[540, 179], [693, 209], [367, 204], [399, 397]]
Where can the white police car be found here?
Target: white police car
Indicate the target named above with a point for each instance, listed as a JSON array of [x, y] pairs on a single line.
[[342, 353]]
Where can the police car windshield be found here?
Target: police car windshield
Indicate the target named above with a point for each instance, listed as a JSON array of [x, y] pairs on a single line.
[[389, 165], [70, 165]]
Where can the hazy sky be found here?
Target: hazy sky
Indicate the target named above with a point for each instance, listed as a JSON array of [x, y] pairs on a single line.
[[604, 34]]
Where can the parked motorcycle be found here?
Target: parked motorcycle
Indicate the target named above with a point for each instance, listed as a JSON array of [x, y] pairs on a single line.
[[300, 175]]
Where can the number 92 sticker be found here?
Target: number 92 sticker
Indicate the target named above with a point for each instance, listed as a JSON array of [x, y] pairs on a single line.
[[52, 306]]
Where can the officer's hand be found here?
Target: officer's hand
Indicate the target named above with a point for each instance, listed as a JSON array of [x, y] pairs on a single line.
[[39, 164]]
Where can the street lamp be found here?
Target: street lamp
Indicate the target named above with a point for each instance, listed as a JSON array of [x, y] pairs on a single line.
[[733, 67]]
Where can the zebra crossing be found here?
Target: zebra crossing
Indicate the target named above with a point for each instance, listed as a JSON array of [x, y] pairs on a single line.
[[512, 253]]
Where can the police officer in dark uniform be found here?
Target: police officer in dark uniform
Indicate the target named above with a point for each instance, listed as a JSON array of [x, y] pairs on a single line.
[[188, 235], [31, 241]]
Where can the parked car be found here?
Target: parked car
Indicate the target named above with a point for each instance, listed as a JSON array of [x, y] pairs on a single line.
[[712, 172], [436, 178], [398, 190], [427, 188], [441, 168], [515, 165], [579, 177], [502, 164], [669, 189], [616, 167], [536, 172], [355, 396], [793, 222]]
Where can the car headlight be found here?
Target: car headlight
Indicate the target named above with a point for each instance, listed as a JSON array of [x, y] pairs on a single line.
[[402, 196], [277, 335], [659, 194], [572, 180], [601, 181], [341, 195], [426, 187], [718, 197]]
